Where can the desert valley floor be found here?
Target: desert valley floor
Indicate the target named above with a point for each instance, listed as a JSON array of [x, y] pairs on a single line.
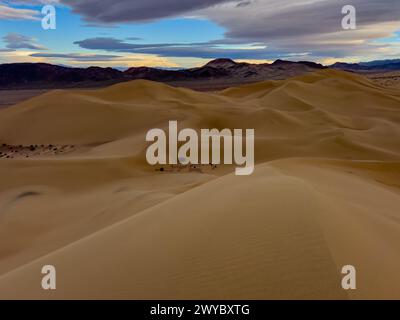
[[76, 192]]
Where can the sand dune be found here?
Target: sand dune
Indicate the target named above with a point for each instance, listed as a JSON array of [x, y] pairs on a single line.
[[325, 193]]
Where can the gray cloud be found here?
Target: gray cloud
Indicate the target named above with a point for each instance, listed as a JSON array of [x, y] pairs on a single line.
[[283, 25], [6, 50], [114, 11], [77, 56], [219, 49], [19, 41], [243, 4], [9, 13], [30, 2], [314, 26], [133, 38], [112, 44], [207, 50], [249, 18], [272, 19]]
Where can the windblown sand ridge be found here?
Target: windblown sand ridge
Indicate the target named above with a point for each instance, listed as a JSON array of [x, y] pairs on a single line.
[[116, 228]]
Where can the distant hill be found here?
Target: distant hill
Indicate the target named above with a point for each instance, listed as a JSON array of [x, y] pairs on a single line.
[[380, 62], [42, 75], [372, 66], [218, 71], [46, 75]]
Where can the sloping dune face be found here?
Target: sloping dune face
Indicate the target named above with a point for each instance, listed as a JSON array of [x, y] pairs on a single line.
[[325, 193]]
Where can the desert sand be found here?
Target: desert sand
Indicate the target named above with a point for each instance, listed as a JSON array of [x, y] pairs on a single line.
[[325, 193], [387, 79], [11, 97]]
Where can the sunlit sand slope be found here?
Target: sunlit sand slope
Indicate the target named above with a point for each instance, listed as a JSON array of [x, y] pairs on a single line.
[[325, 193]]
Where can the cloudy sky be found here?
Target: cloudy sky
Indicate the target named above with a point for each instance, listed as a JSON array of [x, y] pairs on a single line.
[[186, 33]]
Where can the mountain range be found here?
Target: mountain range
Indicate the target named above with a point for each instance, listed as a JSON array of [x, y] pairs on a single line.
[[372, 66], [43, 75]]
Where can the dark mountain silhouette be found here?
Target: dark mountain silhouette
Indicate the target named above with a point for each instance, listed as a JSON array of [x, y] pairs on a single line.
[[372, 66], [154, 74], [43, 75]]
